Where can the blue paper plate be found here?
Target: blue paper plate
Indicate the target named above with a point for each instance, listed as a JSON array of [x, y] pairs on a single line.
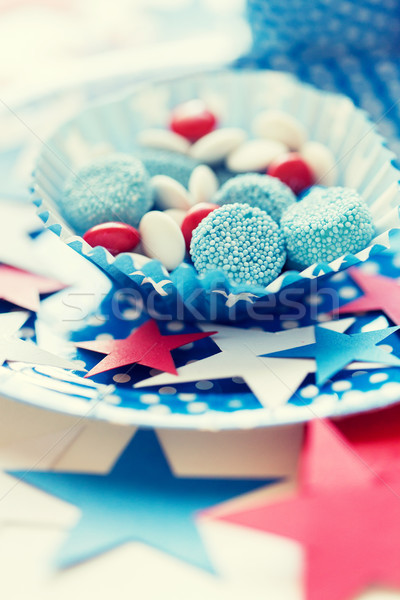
[[98, 308]]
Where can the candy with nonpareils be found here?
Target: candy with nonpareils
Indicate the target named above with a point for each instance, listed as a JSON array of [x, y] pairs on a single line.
[[242, 241], [267, 193], [324, 225], [116, 187]]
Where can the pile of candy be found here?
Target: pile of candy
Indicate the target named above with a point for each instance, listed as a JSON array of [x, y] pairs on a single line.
[[197, 192]]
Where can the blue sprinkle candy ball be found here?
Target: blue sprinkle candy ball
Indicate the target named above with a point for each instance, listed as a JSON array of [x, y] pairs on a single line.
[[241, 240], [163, 162], [263, 191], [325, 224], [113, 188], [223, 173]]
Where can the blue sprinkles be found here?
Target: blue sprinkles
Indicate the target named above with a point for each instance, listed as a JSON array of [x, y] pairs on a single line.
[[110, 189], [263, 191], [162, 162], [241, 240], [326, 224]]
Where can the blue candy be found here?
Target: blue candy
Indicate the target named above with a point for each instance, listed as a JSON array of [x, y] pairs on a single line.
[[326, 224], [223, 174], [264, 192], [242, 241], [115, 188], [163, 162]]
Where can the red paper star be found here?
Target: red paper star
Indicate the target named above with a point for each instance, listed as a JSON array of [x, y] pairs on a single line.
[[145, 346], [23, 288], [347, 518], [376, 438], [380, 293]]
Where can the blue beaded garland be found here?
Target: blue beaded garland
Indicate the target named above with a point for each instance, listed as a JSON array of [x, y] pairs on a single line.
[[113, 188], [163, 162], [242, 241], [264, 192], [326, 224]]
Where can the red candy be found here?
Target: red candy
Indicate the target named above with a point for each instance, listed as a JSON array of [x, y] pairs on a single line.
[[193, 217], [192, 120], [115, 237], [292, 169]]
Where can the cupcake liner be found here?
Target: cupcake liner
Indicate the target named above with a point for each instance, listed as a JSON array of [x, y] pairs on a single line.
[[364, 163]]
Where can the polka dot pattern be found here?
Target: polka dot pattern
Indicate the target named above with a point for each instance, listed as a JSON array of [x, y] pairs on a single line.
[[121, 378], [348, 391]]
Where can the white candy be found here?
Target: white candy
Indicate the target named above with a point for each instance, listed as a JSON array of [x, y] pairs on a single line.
[[162, 239], [169, 193], [215, 146], [278, 125], [176, 214], [163, 139], [321, 161], [203, 184], [255, 155]]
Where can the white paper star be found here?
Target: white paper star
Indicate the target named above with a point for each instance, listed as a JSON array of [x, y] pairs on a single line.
[[232, 299], [16, 247], [158, 286], [272, 380], [14, 349]]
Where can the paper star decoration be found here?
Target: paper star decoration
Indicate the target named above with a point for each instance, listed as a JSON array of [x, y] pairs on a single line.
[[145, 346], [333, 351], [346, 517], [233, 299], [157, 285], [23, 288], [376, 437], [16, 246], [380, 293], [273, 381], [13, 349], [139, 500]]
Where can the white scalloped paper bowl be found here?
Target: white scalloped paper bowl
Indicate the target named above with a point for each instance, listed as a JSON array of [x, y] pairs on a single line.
[[364, 163]]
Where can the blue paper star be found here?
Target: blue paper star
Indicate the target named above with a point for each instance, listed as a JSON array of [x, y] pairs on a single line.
[[333, 351], [139, 500]]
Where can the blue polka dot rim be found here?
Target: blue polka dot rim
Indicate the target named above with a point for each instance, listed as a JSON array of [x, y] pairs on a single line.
[[204, 404], [364, 164]]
